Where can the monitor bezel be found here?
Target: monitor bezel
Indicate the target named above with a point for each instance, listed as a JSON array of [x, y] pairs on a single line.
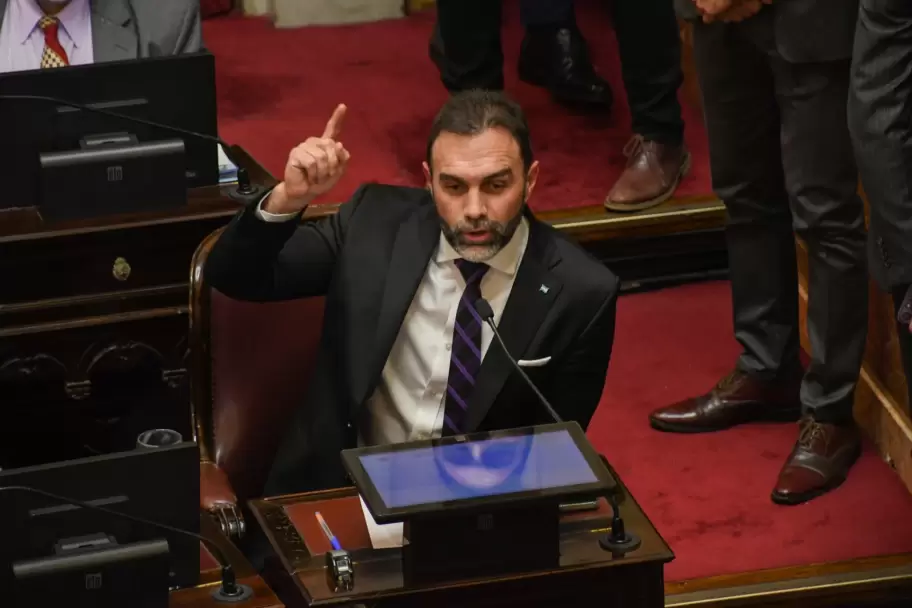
[[351, 460]]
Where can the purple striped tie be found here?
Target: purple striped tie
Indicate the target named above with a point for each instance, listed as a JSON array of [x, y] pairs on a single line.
[[465, 356]]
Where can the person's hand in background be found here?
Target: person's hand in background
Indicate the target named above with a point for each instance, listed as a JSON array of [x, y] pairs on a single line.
[[736, 10]]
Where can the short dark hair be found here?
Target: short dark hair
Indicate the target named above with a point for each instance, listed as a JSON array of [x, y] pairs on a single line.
[[475, 111]]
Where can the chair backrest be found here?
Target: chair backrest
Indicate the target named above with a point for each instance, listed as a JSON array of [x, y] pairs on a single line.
[[251, 363]]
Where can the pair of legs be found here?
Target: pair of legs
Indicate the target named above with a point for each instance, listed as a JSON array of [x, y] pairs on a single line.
[[468, 53], [880, 102], [783, 163]]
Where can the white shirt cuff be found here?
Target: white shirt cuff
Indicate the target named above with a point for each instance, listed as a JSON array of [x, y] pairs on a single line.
[[273, 217]]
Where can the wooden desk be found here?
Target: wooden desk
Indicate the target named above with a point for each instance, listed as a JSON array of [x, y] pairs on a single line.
[[210, 575], [587, 574], [93, 325]]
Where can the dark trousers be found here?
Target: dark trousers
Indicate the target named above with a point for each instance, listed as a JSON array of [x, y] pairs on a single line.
[[782, 162], [546, 13], [879, 103], [649, 45]]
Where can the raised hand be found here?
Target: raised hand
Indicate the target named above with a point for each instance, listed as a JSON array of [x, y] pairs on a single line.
[[313, 168]]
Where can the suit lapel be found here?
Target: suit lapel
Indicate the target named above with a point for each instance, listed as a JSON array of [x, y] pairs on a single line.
[[113, 31], [414, 243], [3, 4], [532, 296]]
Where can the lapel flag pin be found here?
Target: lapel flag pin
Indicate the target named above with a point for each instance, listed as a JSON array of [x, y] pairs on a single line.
[[543, 289]]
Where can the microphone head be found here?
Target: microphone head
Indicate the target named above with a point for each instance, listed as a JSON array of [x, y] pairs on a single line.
[[484, 309]]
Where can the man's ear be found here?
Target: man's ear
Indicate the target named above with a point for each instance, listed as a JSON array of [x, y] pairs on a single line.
[[427, 176], [531, 178]]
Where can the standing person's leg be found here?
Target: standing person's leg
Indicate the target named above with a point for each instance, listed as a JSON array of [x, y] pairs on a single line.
[[822, 181], [649, 44], [466, 44], [743, 125], [547, 13], [554, 54], [880, 102]]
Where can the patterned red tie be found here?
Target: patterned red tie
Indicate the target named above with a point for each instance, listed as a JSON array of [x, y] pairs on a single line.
[[53, 56], [465, 356]]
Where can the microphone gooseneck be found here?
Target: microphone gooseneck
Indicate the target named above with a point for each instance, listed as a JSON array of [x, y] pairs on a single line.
[[618, 540], [487, 314], [229, 591], [244, 187]]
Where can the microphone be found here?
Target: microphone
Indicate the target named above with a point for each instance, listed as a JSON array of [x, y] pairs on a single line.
[[229, 591], [617, 540], [244, 187]]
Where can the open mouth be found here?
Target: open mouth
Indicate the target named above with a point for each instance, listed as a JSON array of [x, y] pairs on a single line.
[[479, 237]]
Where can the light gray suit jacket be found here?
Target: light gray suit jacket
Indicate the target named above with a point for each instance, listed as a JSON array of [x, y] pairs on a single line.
[[135, 29]]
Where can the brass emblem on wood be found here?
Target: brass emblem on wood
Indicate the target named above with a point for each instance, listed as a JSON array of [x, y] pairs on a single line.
[[121, 270]]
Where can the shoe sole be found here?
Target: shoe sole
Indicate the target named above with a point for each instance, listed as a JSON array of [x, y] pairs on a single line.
[[670, 427], [655, 202], [791, 500]]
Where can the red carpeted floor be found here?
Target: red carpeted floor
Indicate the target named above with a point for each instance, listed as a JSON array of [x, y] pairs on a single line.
[[708, 495], [277, 87]]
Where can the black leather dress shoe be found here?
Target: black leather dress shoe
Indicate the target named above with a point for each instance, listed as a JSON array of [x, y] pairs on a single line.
[[558, 60]]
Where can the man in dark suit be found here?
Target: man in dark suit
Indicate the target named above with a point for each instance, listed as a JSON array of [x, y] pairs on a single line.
[[782, 161], [879, 106], [404, 354], [466, 48]]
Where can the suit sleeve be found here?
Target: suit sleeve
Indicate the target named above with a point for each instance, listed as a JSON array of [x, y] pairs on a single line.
[[579, 381], [259, 261], [190, 37], [880, 96]]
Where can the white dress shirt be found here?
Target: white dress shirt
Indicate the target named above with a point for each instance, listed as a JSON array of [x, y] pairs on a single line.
[[22, 41], [409, 402]]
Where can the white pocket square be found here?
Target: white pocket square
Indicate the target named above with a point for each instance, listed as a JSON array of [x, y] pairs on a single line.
[[534, 362]]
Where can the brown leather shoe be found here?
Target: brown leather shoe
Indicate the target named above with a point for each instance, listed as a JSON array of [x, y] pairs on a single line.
[[652, 174], [737, 399], [819, 462]]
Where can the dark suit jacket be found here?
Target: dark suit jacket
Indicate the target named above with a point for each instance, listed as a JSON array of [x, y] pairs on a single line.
[[368, 260], [136, 29], [805, 30]]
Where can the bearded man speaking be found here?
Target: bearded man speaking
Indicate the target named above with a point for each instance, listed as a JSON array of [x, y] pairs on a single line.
[[404, 354]]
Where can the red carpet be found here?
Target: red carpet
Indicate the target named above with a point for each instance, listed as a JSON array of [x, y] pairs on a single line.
[[708, 495], [277, 87]]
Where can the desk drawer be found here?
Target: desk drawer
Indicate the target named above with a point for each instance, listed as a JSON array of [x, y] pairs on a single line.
[[124, 259]]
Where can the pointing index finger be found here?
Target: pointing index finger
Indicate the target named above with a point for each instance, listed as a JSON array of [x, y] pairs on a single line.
[[334, 126]]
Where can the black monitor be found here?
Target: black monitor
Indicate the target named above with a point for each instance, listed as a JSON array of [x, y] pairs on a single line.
[[74, 163], [56, 552]]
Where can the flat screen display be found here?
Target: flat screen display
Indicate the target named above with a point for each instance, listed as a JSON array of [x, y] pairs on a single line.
[[477, 469]]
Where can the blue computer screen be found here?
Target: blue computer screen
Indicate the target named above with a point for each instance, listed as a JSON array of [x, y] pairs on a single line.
[[477, 469]]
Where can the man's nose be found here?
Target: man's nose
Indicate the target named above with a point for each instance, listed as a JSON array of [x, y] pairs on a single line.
[[474, 206]]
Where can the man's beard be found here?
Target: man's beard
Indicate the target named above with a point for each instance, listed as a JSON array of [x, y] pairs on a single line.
[[500, 235]]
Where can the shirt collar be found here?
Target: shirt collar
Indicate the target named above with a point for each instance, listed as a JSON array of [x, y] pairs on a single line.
[[73, 18], [506, 260]]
